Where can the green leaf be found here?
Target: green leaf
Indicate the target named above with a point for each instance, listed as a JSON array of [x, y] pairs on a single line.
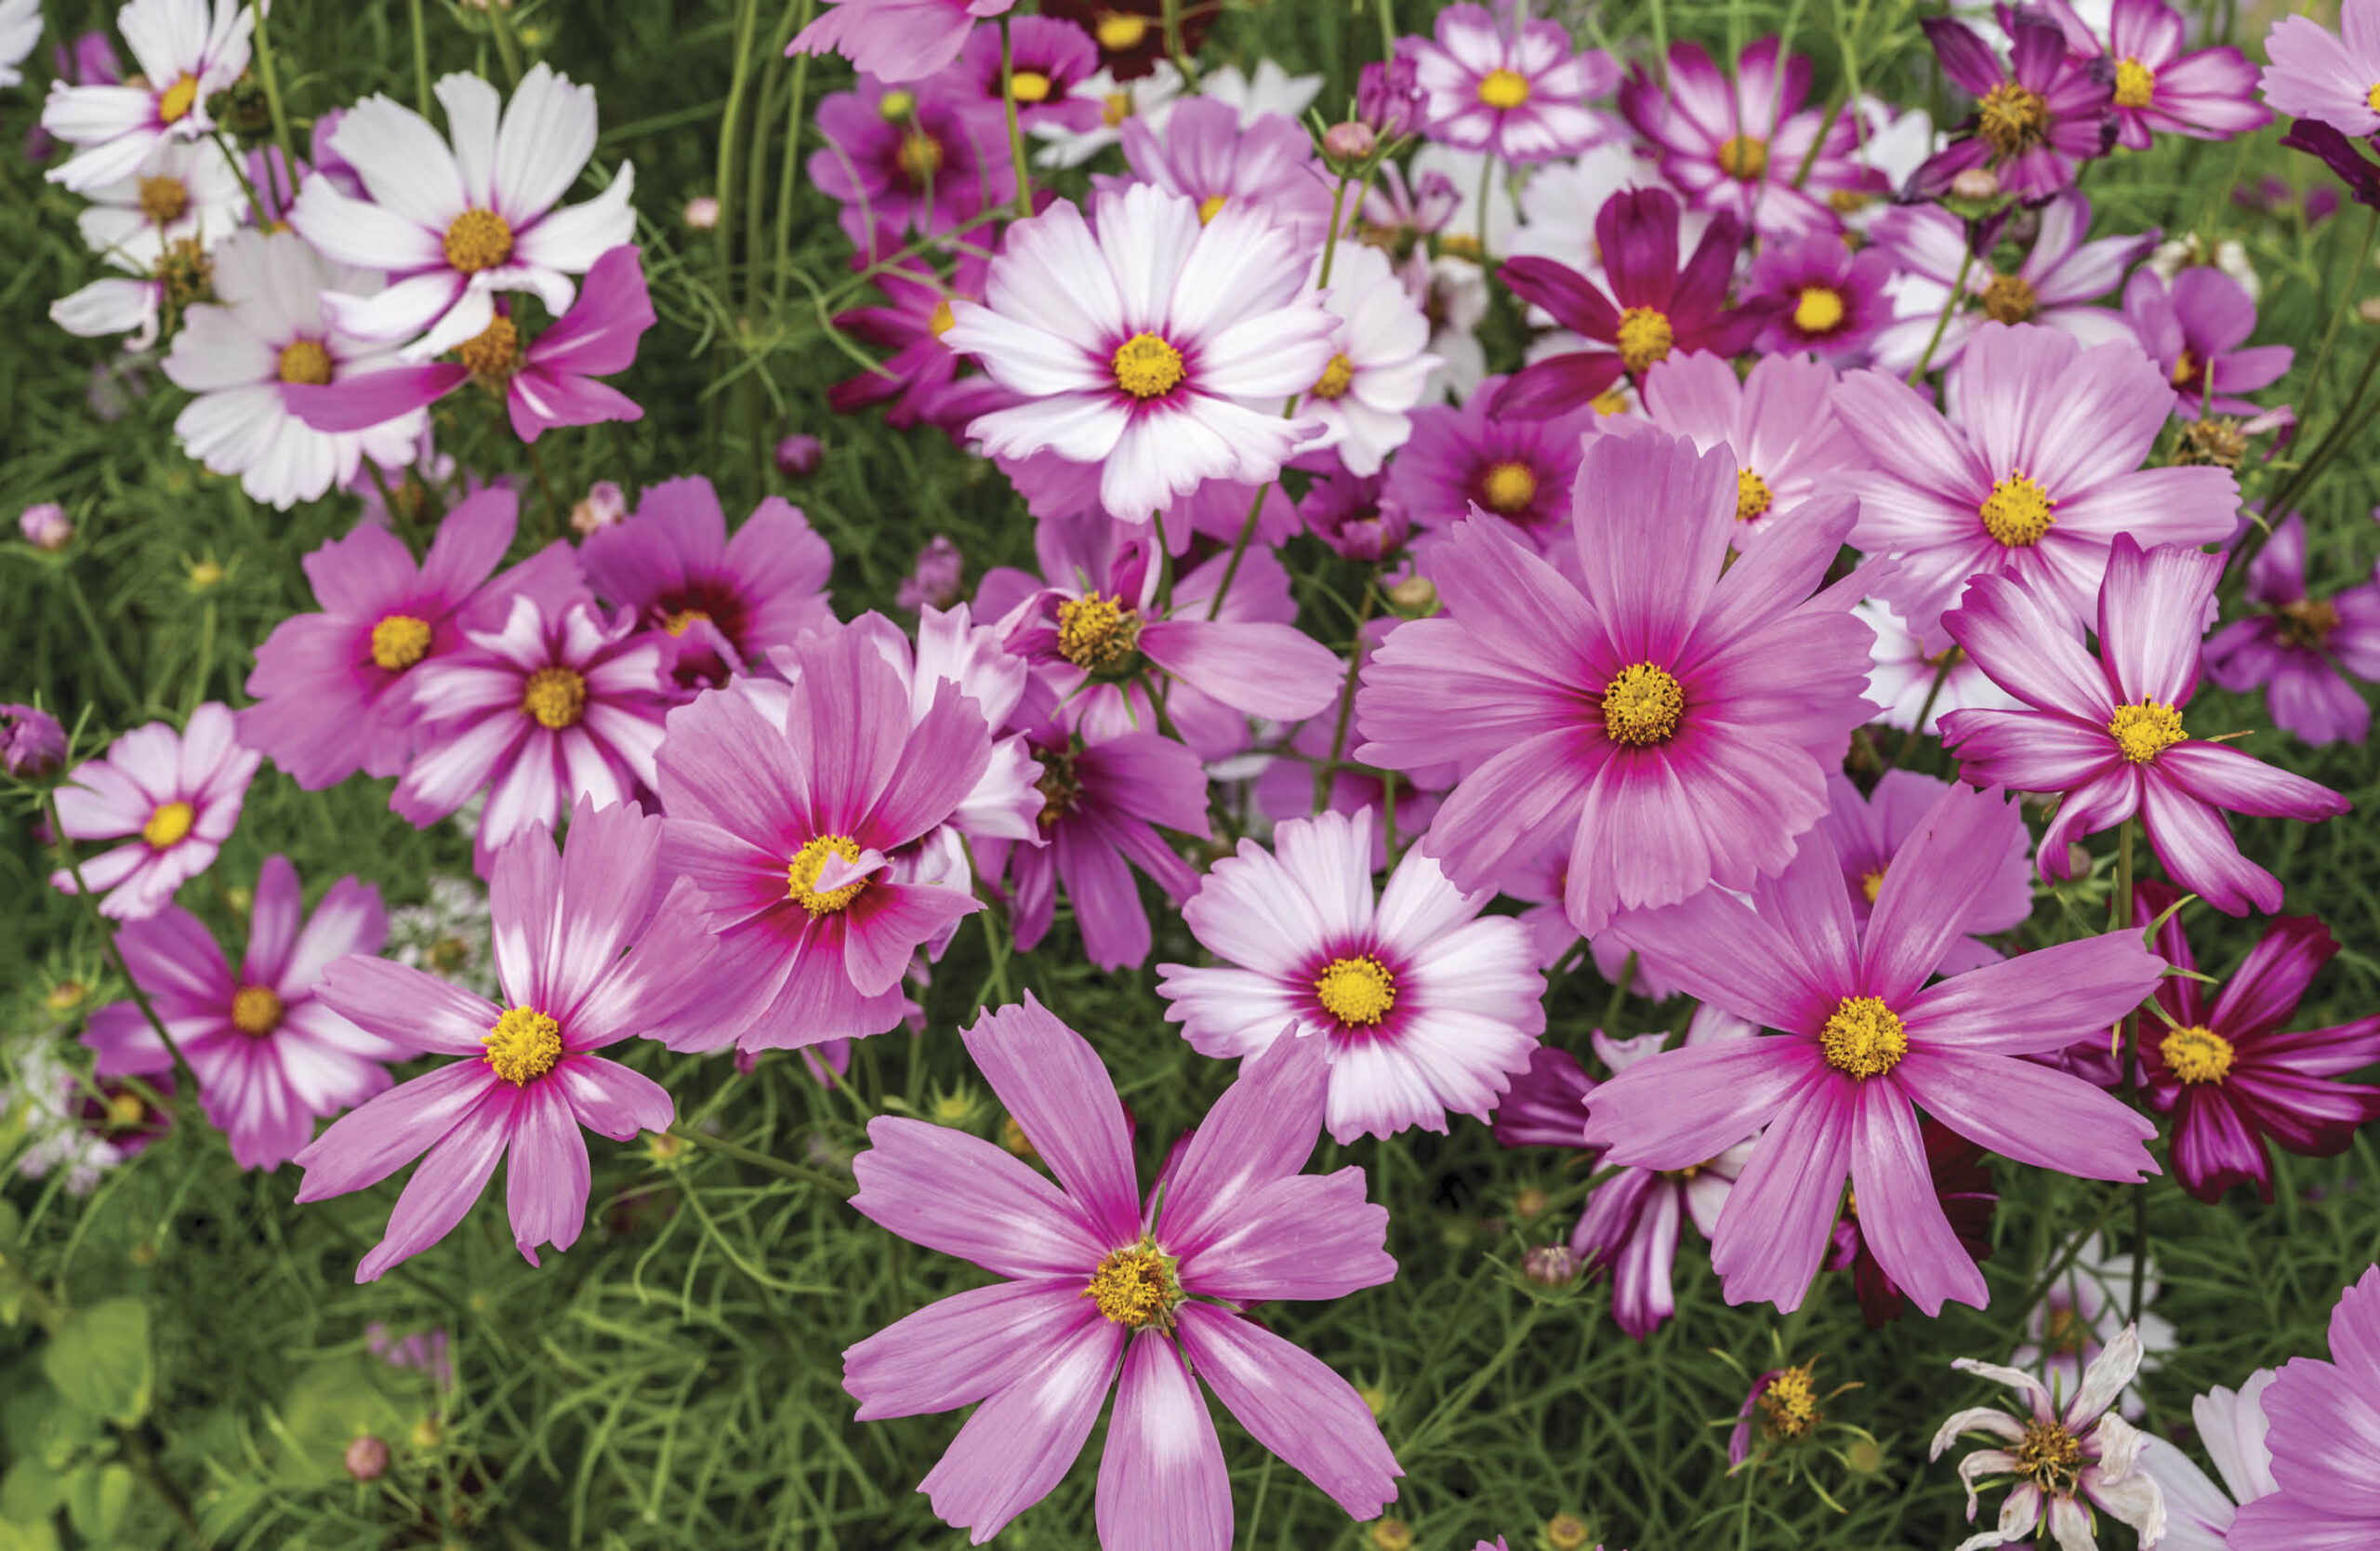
[[95, 1499], [29, 1493], [28, 1537], [101, 1361]]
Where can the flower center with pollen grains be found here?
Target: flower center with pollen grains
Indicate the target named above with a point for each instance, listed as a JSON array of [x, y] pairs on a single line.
[[2018, 511], [1117, 30], [1790, 1405], [1336, 379], [478, 240], [2146, 730], [2308, 621], [1212, 207], [1641, 706], [2196, 1055], [1136, 1287], [554, 697], [1818, 310], [176, 101], [1645, 337], [164, 200], [256, 1010], [2189, 370], [494, 353], [1146, 366], [305, 361], [168, 824], [1871, 883], [1509, 488], [1752, 495], [920, 156], [682, 620], [802, 875], [1864, 1038], [523, 1046], [1029, 85], [1098, 635], [2136, 84], [2012, 120], [1743, 157], [1504, 89], [2009, 299], [2050, 1457], [1359, 993], [399, 641]]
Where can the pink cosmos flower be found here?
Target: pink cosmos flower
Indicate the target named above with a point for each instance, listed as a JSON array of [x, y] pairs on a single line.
[[530, 1075], [1868, 832], [1820, 296], [1205, 154], [1903, 675], [1100, 1289], [31, 741], [1745, 147], [2232, 1427], [553, 706], [2304, 653], [452, 224], [2108, 734], [895, 40], [1509, 86], [1778, 423], [186, 52], [2323, 1418], [1863, 1038], [1161, 349], [725, 601], [1048, 59], [2040, 475], [2036, 117], [2318, 75], [1427, 1006], [917, 376], [1349, 513], [1514, 469], [1675, 722], [2209, 94], [793, 822], [2197, 323], [2232, 1082], [907, 161], [174, 796], [271, 1056]]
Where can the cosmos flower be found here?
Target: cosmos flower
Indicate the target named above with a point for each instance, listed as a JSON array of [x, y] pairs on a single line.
[[174, 797], [2304, 653], [1428, 1007], [20, 24], [452, 224], [271, 1058], [1962, 1179], [1863, 1040], [1160, 349], [2322, 75], [2209, 94], [1150, 96], [1048, 59], [1909, 680], [2036, 118], [2040, 475], [1100, 1289], [31, 742], [1822, 296], [449, 934], [1519, 470], [2232, 1427], [937, 580], [1512, 87], [2234, 1084], [2057, 1455], [1869, 831], [73, 1126], [186, 51], [2199, 323], [1378, 371], [896, 40], [1675, 724], [2323, 1418], [530, 1075], [1205, 154], [2108, 734], [1130, 33], [910, 161], [1777, 423], [2082, 1311], [160, 227], [917, 375]]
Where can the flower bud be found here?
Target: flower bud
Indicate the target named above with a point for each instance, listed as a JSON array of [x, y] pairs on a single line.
[[702, 212], [368, 1458], [1976, 183], [1390, 1534], [938, 579], [1415, 597], [799, 457], [1565, 1532], [1351, 142], [1529, 1201], [32, 743], [1551, 1265], [45, 526], [603, 505]]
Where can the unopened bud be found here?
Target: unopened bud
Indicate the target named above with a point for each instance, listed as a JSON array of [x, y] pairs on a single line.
[[1529, 1201], [603, 505], [45, 526], [1415, 597], [2368, 308], [1351, 142], [1866, 1456], [368, 1458], [31, 742], [1976, 183], [702, 212], [798, 455], [1392, 1534], [1551, 1265], [1565, 1532]]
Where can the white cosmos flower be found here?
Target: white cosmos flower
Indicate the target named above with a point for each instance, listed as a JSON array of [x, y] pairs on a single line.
[[159, 227], [2232, 1427], [452, 224], [185, 54], [267, 328], [1149, 98], [20, 30], [1901, 673], [1270, 90], [1379, 364]]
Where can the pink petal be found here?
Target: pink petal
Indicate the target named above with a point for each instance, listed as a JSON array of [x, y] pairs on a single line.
[[1262, 1129], [1678, 1108], [547, 1177], [969, 1346], [1162, 1483], [1022, 1442], [2030, 1113], [1774, 1231], [1303, 1236], [1294, 1404], [1900, 1217], [963, 1196], [1054, 1085], [446, 1185]]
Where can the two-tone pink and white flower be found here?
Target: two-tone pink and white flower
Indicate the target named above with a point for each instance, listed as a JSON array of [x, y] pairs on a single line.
[[173, 798], [186, 51]]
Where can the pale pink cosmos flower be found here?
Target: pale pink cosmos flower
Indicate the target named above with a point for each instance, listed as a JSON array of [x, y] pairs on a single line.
[[2332, 78], [1909, 680], [1380, 365], [1869, 830], [1511, 86], [20, 24], [186, 51], [896, 40], [1205, 151], [173, 796], [1778, 423], [2232, 1429]]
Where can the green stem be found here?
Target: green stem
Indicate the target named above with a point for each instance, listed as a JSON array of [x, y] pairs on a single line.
[[272, 89], [239, 166], [421, 59], [1422, 1437], [2338, 316], [1619, 991], [1924, 712], [508, 47], [1487, 182], [1387, 13], [2276, 505], [817, 1178], [730, 125], [1950, 305], [1015, 126], [786, 172], [109, 667], [182, 1072]]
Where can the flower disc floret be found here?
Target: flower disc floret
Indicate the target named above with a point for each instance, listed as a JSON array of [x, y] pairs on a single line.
[[492, 354], [2012, 120], [1097, 634], [1790, 1404], [176, 101], [2196, 1055], [1817, 310], [2136, 84], [1641, 706], [1864, 1038], [2017, 511], [2049, 1456], [554, 697], [523, 1046], [164, 200], [1147, 366], [478, 240], [170, 825], [1119, 31], [2009, 299], [1137, 1286], [1359, 991], [1743, 157], [1646, 336], [256, 1010], [802, 875], [1336, 379], [305, 361], [920, 156], [2147, 729], [1508, 487], [1503, 89], [1028, 86], [399, 641], [1753, 496]]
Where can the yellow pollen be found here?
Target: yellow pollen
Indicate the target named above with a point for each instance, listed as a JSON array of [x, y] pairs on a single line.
[[1503, 89], [1117, 30], [523, 1046], [2197, 1054], [1212, 207], [1846, 202], [683, 620], [1059, 791], [399, 641], [2147, 730], [164, 200], [1098, 635], [554, 697], [944, 319], [895, 105], [187, 270], [1147, 367], [1358, 991], [920, 156], [305, 361], [2051, 1458], [492, 354], [169, 824], [1864, 1038], [1645, 337], [478, 240], [2308, 621], [1336, 379], [176, 101], [1136, 1287], [65, 995], [2018, 511], [1116, 108], [2136, 84], [1743, 157], [2189, 370], [1610, 401], [1752, 495], [256, 1010], [1818, 310], [802, 875], [1789, 1405], [1029, 85], [2064, 1330], [1641, 706], [1459, 244], [2012, 120], [2009, 299], [125, 1110], [1509, 488], [1871, 883], [2371, 99]]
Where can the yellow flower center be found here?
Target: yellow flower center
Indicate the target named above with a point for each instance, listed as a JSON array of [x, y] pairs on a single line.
[[1117, 30], [2064, 1330], [2009, 299], [1790, 1405], [2018, 511], [2189, 370], [1116, 108], [896, 105], [478, 240], [494, 353], [1864, 1038], [920, 156], [399, 641], [944, 319], [1358, 991], [64, 996], [1146, 366], [1565, 1533], [1752, 495], [1336, 379], [169, 824], [1212, 207], [1503, 89], [164, 200], [1743, 157], [1641, 706], [2197, 1054], [683, 620], [2147, 730], [1847, 202], [1098, 635], [523, 1046], [125, 1110], [554, 697], [1136, 1287], [2050, 1457], [186, 269], [1645, 337], [176, 101], [2371, 99], [1871, 883], [1818, 310], [2308, 621], [2012, 120], [802, 875], [2136, 84], [1509, 488], [305, 361], [1059, 789], [1610, 401], [256, 1010], [1028, 86]]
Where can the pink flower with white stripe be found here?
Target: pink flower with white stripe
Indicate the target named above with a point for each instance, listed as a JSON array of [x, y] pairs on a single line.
[[1518, 92], [173, 796]]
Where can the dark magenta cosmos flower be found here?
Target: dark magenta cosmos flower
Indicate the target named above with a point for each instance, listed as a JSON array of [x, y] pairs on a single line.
[[1047, 58], [2303, 652], [32, 743], [2036, 118], [2199, 323], [1460, 459], [1819, 294], [918, 159], [917, 375]]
